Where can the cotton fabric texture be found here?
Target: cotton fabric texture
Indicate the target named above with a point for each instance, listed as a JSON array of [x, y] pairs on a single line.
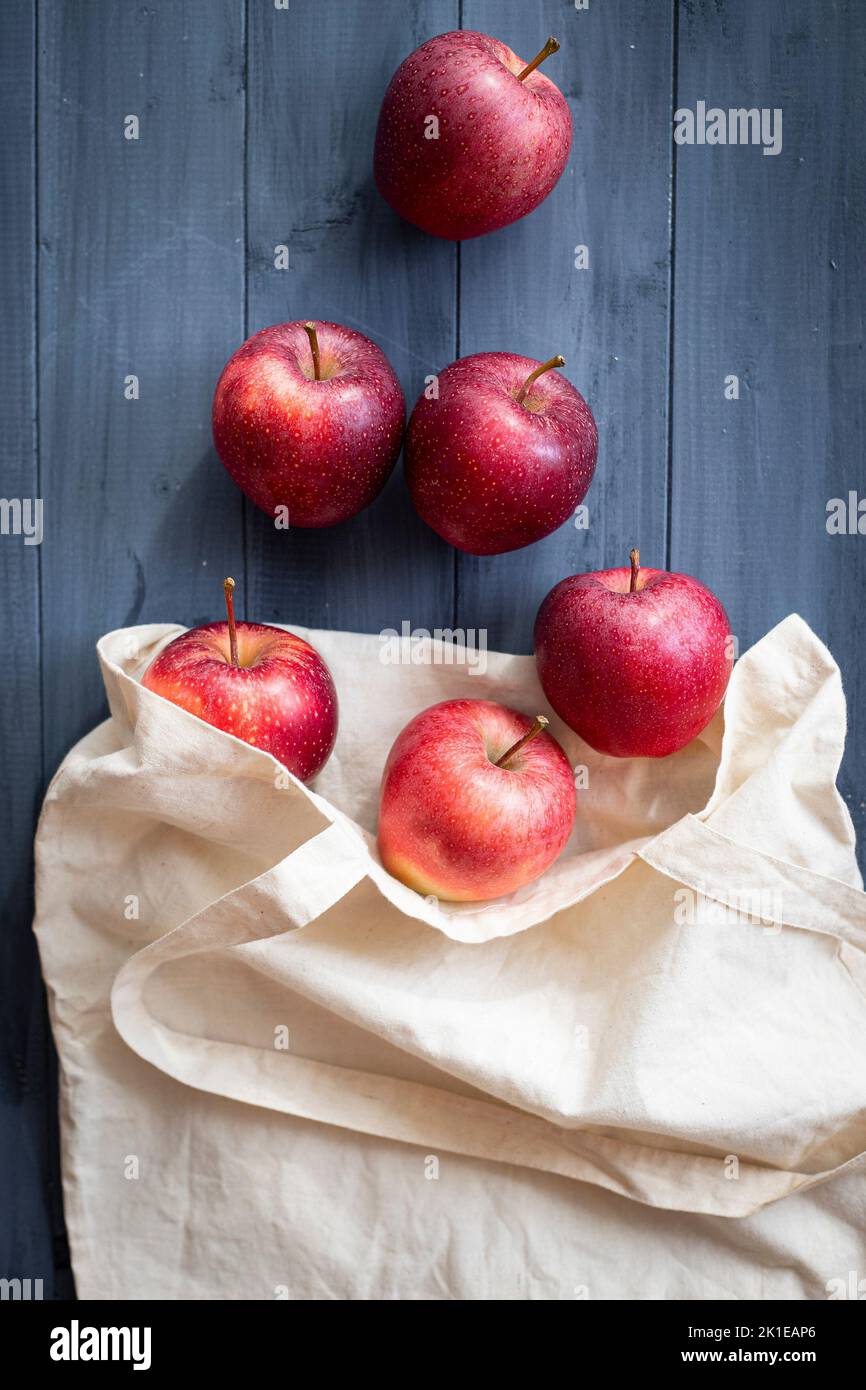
[[285, 1074]]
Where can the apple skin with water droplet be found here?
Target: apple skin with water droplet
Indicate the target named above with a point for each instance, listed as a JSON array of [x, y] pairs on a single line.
[[453, 824], [321, 449], [280, 697], [635, 673], [490, 473], [495, 148]]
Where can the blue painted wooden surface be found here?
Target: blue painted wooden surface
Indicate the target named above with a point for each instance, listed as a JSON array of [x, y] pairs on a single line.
[[155, 257]]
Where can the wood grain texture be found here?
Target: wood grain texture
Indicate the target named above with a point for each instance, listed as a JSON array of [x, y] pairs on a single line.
[[156, 257], [141, 272], [520, 292], [28, 1167], [317, 75], [770, 287]]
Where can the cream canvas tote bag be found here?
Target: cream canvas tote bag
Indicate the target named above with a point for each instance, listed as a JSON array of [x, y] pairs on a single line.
[[676, 1011]]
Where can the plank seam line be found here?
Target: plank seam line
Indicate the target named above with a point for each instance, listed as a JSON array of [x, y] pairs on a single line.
[[37, 392], [245, 310], [669, 481]]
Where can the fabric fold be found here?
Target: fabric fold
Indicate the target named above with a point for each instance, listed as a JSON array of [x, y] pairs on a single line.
[[665, 1014]]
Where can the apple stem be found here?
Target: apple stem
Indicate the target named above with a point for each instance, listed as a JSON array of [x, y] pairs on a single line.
[[229, 587], [540, 723], [310, 329], [533, 376], [634, 556], [552, 46]]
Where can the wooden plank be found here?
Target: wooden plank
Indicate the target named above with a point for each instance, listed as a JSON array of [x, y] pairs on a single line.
[[317, 74], [520, 291], [141, 273], [770, 287], [26, 1103]]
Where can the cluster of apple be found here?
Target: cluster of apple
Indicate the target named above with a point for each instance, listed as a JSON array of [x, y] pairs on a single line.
[[499, 451], [308, 418], [477, 800]]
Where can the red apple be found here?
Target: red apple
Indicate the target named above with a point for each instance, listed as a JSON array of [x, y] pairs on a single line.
[[309, 417], [470, 137], [476, 801], [636, 661], [261, 684], [503, 456]]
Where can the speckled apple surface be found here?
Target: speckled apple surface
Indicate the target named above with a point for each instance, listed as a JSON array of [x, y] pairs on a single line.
[[454, 825], [280, 698], [322, 449], [636, 675], [491, 474], [502, 144]]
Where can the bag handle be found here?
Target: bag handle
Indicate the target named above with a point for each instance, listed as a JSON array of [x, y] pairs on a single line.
[[297, 891], [717, 867], [315, 876]]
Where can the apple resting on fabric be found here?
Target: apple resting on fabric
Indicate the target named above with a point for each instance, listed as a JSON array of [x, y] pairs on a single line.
[[501, 454], [470, 137], [308, 420], [476, 801], [261, 684], [636, 661]]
